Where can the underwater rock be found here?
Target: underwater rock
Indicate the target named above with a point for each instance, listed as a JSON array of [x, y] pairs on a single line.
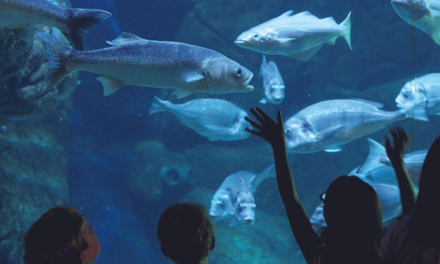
[[33, 175], [157, 171], [23, 69]]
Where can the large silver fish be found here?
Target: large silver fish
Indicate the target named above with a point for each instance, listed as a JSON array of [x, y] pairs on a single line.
[[158, 64], [235, 197], [297, 36], [213, 118], [21, 15], [273, 84], [421, 89], [378, 157], [329, 124], [389, 198], [423, 14]]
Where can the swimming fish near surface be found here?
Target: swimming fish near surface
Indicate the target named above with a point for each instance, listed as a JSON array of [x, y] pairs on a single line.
[[235, 197], [22, 15], [329, 124], [378, 157], [273, 84], [297, 36], [421, 89], [423, 14], [158, 64], [213, 118]]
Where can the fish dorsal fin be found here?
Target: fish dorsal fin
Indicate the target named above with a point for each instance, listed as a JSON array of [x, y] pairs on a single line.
[[329, 19], [306, 14], [306, 55], [180, 93], [124, 38], [371, 103], [286, 14]]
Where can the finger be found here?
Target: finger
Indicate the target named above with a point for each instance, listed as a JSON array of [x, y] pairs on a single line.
[[254, 124], [257, 115], [253, 132], [387, 144], [264, 115], [280, 119]]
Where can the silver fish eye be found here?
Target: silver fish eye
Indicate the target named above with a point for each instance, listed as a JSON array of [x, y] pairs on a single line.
[[256, 36], [238, 72]]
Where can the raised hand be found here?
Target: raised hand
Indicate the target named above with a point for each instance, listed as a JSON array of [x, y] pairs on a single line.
[[396, 151], [267, 128]]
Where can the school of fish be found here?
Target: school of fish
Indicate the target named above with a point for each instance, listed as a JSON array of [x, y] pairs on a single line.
[[186, 69]]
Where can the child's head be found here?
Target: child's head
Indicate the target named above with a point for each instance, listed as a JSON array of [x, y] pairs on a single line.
[[185, 232], [61, 236]]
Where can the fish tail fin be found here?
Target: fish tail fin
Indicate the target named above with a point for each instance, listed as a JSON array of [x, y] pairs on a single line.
[[417, 111], [57, 55], [375, 157], [158, 106], [80, 21], [263, 65], [347, 32], [269, 172]]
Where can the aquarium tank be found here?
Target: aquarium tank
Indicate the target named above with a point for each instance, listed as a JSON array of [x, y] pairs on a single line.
[[83, 123]]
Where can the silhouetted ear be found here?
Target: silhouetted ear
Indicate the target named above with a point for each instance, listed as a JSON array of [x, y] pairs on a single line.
[[83, 257], [213, 243]]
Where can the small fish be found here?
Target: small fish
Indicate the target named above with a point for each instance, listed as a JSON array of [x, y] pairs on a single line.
[[421, 89], [297, 36], [159, 64], [235, 197], [22, 15], [329, 124], [272, 83], [389, 198], [213, 118], [423, 14], [378, 157]]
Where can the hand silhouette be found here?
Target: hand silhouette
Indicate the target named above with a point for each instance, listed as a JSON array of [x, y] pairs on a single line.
[[268, 129], [396, 151]]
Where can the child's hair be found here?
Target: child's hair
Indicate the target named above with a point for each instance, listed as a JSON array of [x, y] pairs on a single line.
[[185, 232], [56, 238]]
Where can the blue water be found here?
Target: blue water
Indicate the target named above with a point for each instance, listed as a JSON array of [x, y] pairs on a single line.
[[106, 130]]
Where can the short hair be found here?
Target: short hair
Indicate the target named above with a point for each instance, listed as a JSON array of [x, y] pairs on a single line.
[[185, 232], [57, 237]]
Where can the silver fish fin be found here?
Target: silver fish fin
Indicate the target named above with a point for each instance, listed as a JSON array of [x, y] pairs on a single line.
[[333, 149], [306, 14], [110, 85], [124, 38], [373, 104], [26, 34], [181, 93], [331, 41], [347, 32], [263, 101], [287, 14], [376, 154], [327, 132], [284, 40], [158, 106], [306, 55], [436, 37], [194, 78]]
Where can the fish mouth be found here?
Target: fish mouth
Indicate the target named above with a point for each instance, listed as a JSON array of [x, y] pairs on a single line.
[[248, 221], [245, 87], [410, 10], [400, 104], [242, 43]]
